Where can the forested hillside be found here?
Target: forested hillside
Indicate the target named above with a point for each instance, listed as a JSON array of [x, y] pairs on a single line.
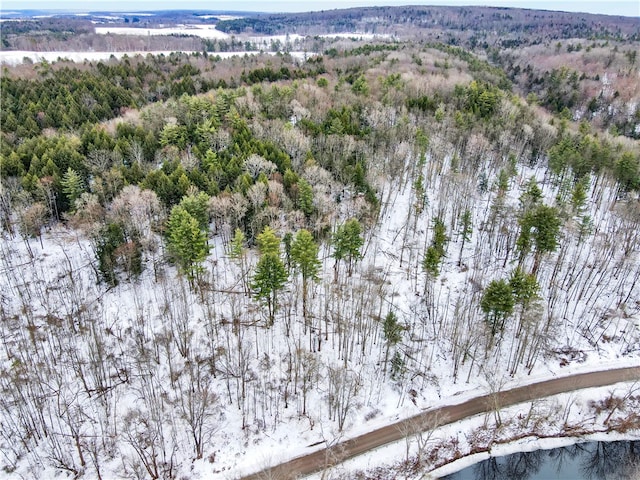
[[203, 259]]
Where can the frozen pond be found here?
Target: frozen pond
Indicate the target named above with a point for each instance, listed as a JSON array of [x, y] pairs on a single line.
[[582, 461]]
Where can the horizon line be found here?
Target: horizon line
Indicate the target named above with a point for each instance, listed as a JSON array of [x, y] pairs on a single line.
[[148, 10]]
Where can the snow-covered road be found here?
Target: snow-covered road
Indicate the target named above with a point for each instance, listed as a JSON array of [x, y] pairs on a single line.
[[444, 415]]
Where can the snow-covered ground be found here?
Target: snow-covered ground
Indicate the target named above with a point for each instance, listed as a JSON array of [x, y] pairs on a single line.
[[210, 31], [16, 57], [219, 17], [257, 39], [239, 451], [203, 31], [357, 35], [563, 412], [264, 43]]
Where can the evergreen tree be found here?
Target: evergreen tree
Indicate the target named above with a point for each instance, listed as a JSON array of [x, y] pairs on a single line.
[[197, 204], [305, 197], [186, 242], [497, 303], [627, 171], [546, 232], [360, 86], [524, 287], [579, 195], [524, 241], [531, 196], [72, 186], [440, 238], [397, 365], [290, 180], [539, 228], [268, 242], [436, 251], [237, 252], [268, 280], [236, 248], [431, 261], [392, 331], [347, 242], [585, 227], [466, 229], [287, 240], [304, 255], [109, 239], [421, 198], [503, 183], [162, 185]]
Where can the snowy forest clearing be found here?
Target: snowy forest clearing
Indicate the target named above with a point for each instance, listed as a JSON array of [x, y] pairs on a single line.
[[63, 264]]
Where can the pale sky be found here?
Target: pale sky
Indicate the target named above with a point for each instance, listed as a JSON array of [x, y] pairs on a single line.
[[615, 7]]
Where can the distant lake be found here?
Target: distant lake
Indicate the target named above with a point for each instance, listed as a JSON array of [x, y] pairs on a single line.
[[582, 461]]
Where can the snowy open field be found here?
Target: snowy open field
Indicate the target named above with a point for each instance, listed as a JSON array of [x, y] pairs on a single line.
[[16, 57], [357, 35], [11, 57], [203, 31]]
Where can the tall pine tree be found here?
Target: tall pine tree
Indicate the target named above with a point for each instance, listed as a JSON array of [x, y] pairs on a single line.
[[347, 242], [436, 251], [186, 242], [304, 254], [271, 274], [497, 303], [539, 228]]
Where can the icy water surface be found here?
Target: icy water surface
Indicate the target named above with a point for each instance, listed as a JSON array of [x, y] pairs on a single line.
[[583, 461]]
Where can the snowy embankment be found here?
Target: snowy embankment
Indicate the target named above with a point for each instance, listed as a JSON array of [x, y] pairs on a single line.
[[548, 423]]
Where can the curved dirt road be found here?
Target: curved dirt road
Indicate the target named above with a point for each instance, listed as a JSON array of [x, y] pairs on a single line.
[[318, 460]]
